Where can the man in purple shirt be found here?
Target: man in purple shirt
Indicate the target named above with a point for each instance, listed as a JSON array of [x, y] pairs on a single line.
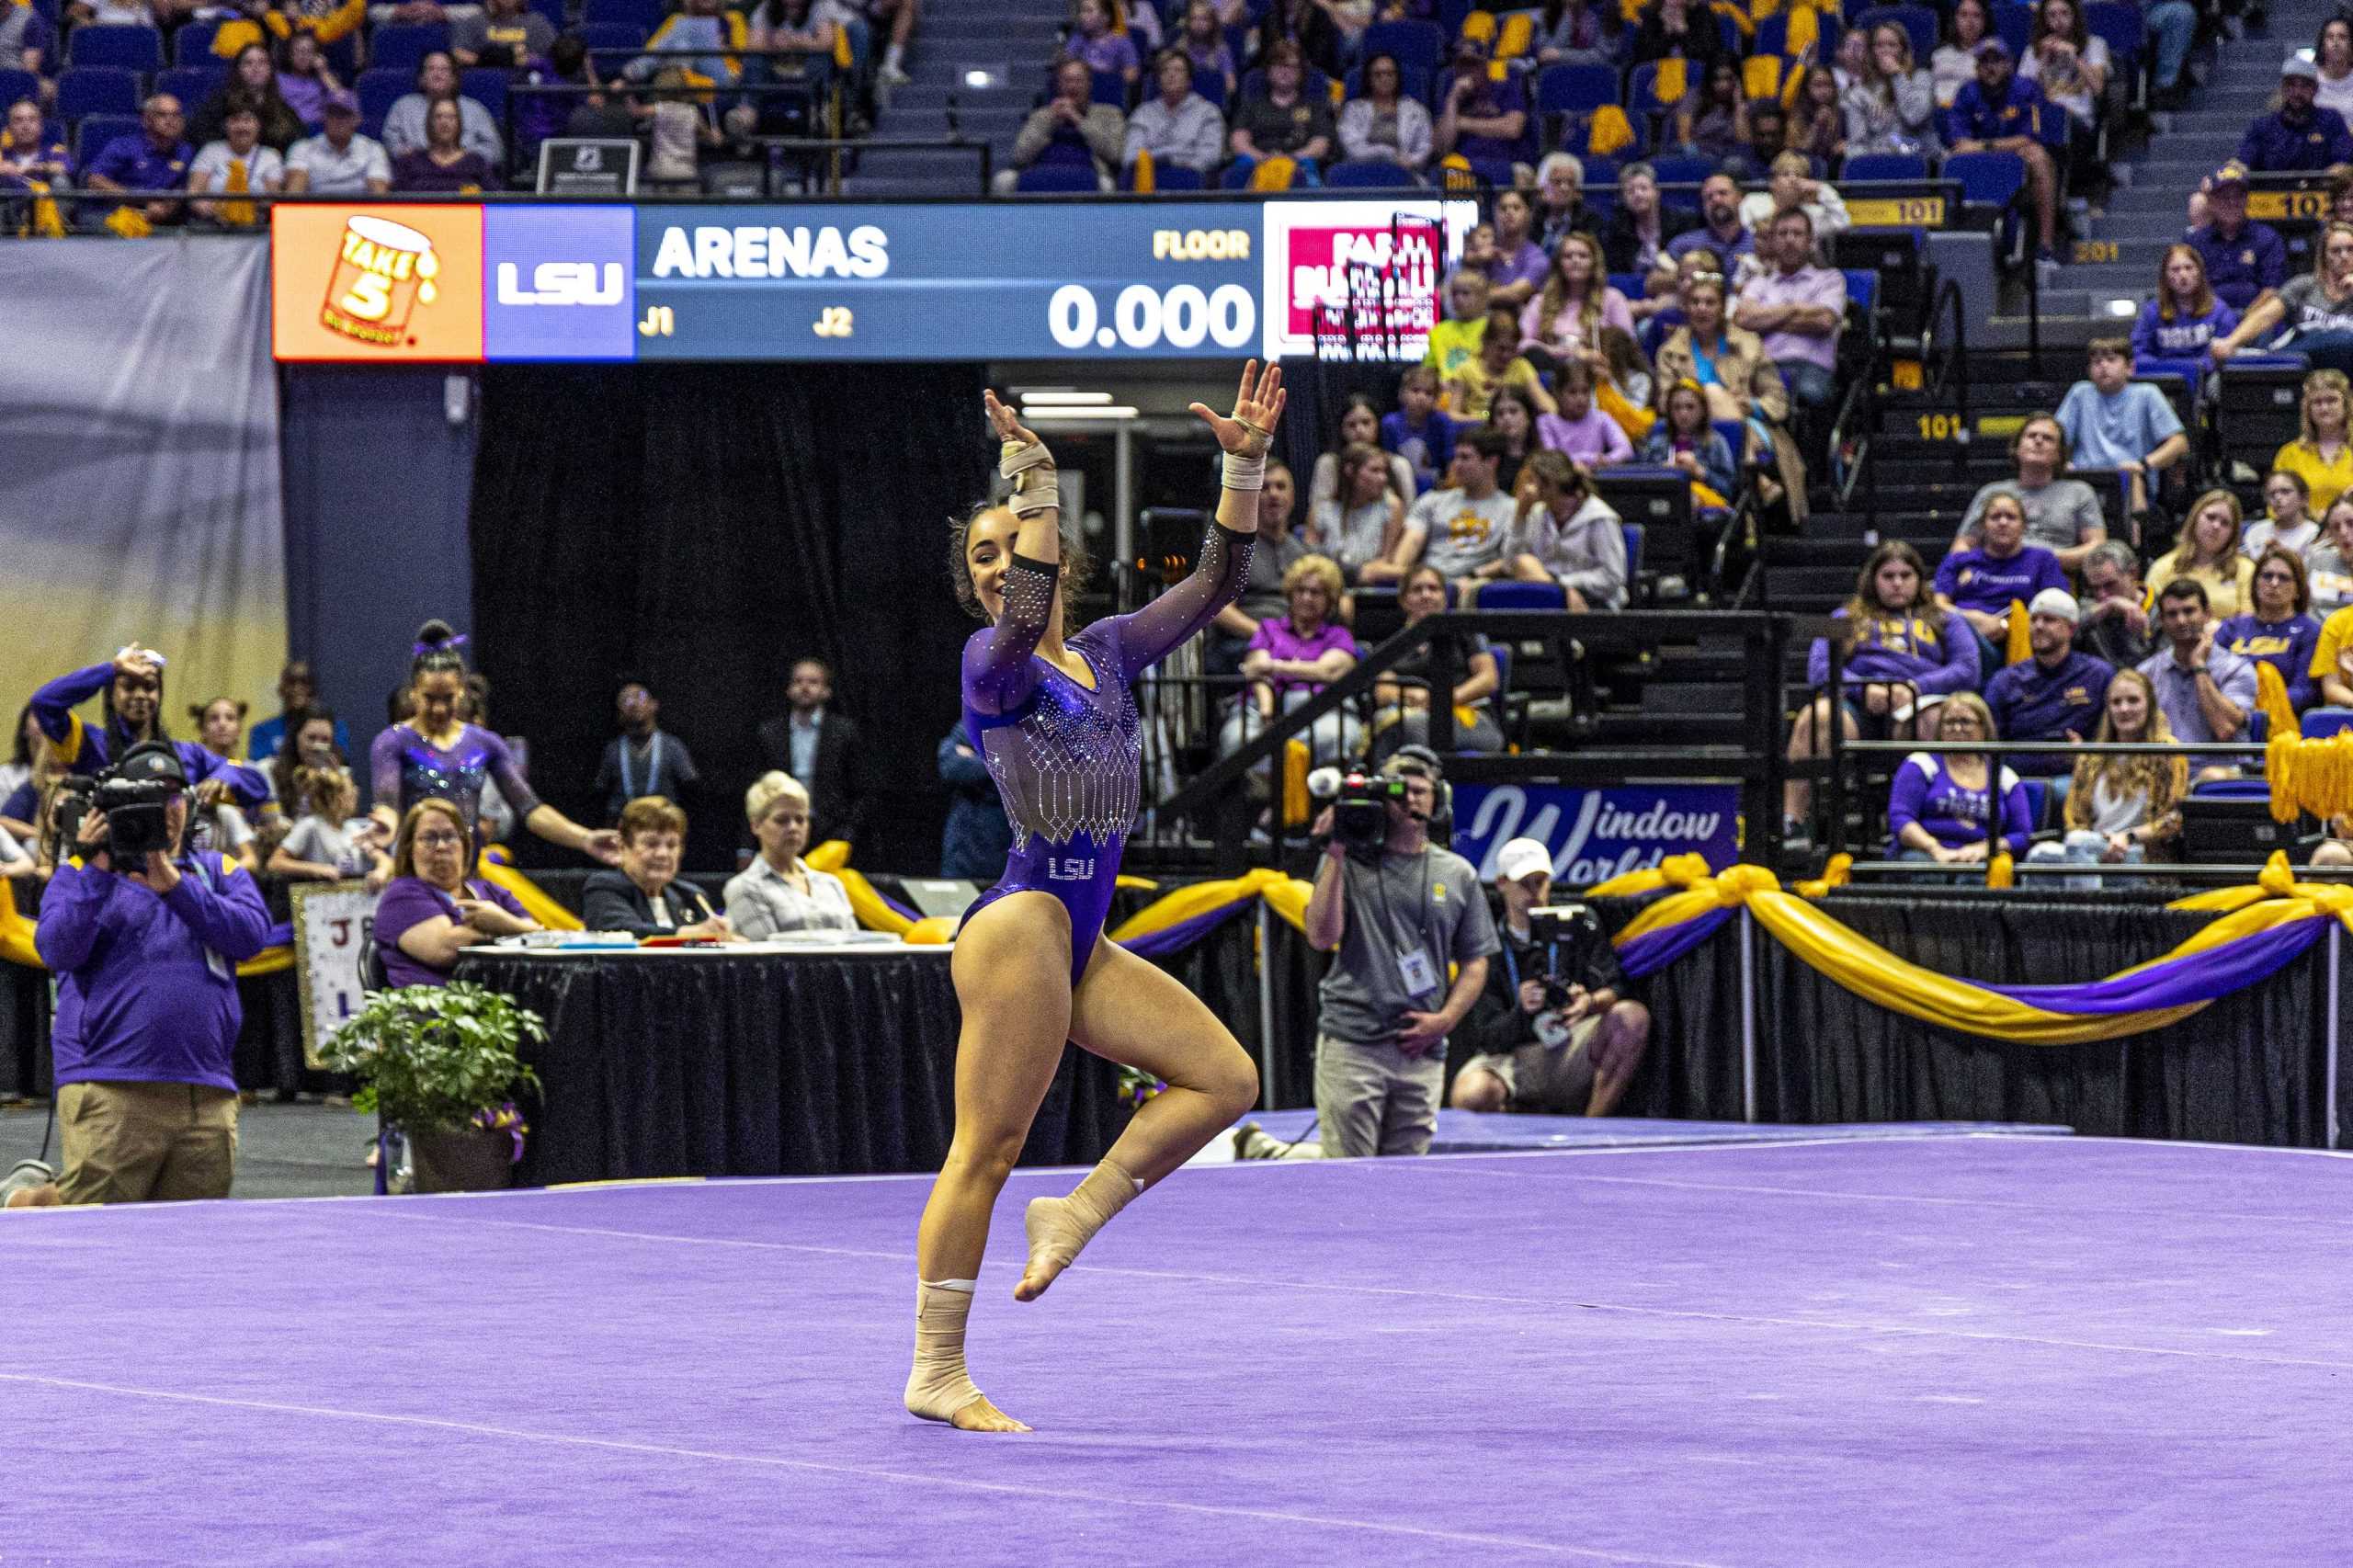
[[156, 159], [1481, 118], [1721, 231], [145, 953], [1797, 309]]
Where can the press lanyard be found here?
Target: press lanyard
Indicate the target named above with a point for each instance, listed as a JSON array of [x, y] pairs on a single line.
[[653, 767]]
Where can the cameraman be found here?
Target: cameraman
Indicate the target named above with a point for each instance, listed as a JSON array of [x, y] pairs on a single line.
[[145, 952], [1550, 1034], [1397, 912]]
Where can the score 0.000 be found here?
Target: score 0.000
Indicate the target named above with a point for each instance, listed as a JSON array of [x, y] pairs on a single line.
[[1143, 317]]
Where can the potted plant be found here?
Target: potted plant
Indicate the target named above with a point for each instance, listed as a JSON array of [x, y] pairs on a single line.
[[439, 1062]]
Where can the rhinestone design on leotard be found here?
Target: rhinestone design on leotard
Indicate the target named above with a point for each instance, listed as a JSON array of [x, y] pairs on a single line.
[[1073, 765]]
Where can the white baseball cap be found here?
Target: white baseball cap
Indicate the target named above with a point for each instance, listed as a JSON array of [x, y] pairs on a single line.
[[1522, 857]]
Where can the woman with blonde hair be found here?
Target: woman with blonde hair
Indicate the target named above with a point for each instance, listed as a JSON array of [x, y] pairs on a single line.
[[1708, 351], [779, 890], [1954, 805], [2121, 809], [1363, 522], [1891, 106], [2320, 455], [2209, 551], [2316, 309], [1294, 656]]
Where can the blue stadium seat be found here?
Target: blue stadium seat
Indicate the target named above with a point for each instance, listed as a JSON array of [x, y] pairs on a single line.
[[1211, 88], [1416, 45], [1734, 433], [1884, 165], [487, 84], [2321, 722], [1058, 178], [1368, 175], [1600, 179], [90, 137], [1920, 21], [1523, 596], [1110, 88], [378, 90], [1676, 170], [1633, 532], [14, 85], [192, 84], [192, 45], [646, 15], [97, 89], [2014, 24], [611, 36], [1862, 287], [553, 10], [118, 48], [1177, 177], [1574, 89], [2122, 29], [1987, 179], [2233, 789], [400, 46]]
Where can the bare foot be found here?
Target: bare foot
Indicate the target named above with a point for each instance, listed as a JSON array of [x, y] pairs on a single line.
[[1042, 1221], [982, 1416]]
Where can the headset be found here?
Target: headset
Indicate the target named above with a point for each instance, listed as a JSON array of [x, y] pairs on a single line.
[[1422, 761]]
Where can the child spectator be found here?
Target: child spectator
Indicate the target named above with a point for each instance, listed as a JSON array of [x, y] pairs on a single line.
[[1106, 51], [2290, 520], [1384, 125], [2184, 317], [1587, 437], [2208, 554], [1178, 126], [1498, 363], [1511, 415], [1686, 439], [1983, 583], [1455, 341], [329, 841], [1204, 44], [2114, 422], [1417, 431], [2279, 628], [1623, 383]]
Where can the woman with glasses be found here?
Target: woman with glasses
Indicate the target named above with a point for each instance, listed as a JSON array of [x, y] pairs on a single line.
[[1945, 804], [431, 910]]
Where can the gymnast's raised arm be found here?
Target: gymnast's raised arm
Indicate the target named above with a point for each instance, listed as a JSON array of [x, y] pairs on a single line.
[[997, 674], [1223, 568]]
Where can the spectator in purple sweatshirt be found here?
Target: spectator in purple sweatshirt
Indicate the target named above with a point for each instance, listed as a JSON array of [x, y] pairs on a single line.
[[1900, 649], [145, 954]]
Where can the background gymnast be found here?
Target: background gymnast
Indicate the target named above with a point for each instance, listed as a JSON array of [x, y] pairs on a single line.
[[1057, 724]]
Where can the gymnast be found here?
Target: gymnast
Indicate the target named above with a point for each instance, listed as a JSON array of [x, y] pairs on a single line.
[[437, 753], [1057, 724]]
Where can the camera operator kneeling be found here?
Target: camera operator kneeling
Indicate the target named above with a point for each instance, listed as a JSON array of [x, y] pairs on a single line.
[[1549, 1036], [144, 941], [1398, 910]]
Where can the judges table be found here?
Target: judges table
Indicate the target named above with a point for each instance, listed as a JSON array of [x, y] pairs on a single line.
[[759, 1061]]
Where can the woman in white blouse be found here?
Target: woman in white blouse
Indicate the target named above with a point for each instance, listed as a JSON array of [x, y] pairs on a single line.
[[779, 890]]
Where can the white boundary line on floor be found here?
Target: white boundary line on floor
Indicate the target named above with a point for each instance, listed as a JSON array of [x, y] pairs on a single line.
[[1128, 1501]]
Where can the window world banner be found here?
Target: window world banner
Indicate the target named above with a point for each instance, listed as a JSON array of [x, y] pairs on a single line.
[[1595, 834]]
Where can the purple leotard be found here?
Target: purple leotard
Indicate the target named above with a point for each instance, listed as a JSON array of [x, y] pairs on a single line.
[[1067, 759], [404, 767]]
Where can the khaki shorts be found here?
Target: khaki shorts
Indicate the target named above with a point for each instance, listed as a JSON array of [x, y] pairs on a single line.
[[1555, 1080], [146, 1142]]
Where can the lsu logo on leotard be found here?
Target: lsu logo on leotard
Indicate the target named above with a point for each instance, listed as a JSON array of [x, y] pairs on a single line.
[[1074, 870]]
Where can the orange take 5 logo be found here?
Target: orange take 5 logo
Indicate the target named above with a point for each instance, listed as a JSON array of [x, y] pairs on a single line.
[[373, 285]]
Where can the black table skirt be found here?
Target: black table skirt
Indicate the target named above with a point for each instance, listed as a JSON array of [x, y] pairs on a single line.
[[761, 1064]]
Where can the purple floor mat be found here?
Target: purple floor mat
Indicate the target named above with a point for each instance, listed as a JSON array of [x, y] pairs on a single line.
[[1971, 1350], [1469, 1132]]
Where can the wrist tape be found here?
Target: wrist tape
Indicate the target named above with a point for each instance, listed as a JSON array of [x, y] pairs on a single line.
[[1244, 474], [1031, 469]]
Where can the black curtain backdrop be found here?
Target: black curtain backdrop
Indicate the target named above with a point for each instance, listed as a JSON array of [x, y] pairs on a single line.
[[703, 526]]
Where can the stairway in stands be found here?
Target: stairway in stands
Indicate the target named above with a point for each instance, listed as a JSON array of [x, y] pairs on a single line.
[[2149, 212], [1006, 45]]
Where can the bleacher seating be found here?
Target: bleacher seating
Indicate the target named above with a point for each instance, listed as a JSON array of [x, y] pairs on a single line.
[[402, 46], [85, 90], [118, 48], [91, 136]]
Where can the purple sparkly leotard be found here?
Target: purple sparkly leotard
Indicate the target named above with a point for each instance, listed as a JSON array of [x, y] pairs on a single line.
[[1067, 759], [403, 767]]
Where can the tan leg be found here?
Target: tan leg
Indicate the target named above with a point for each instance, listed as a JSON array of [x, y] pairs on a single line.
[[1012, 974], [1806, 743], [1618, 1050], [1526, 568]]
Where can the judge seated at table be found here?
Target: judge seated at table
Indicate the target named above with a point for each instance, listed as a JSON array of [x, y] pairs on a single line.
[[644, 898], [431, 910], [779, 890]]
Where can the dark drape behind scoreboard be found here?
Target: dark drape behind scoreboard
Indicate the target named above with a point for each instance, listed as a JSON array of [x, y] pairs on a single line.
[[702, 527]]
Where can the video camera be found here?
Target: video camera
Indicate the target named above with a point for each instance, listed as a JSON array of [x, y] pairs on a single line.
[[1359, 803], [135, 796], [1556, 925]]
